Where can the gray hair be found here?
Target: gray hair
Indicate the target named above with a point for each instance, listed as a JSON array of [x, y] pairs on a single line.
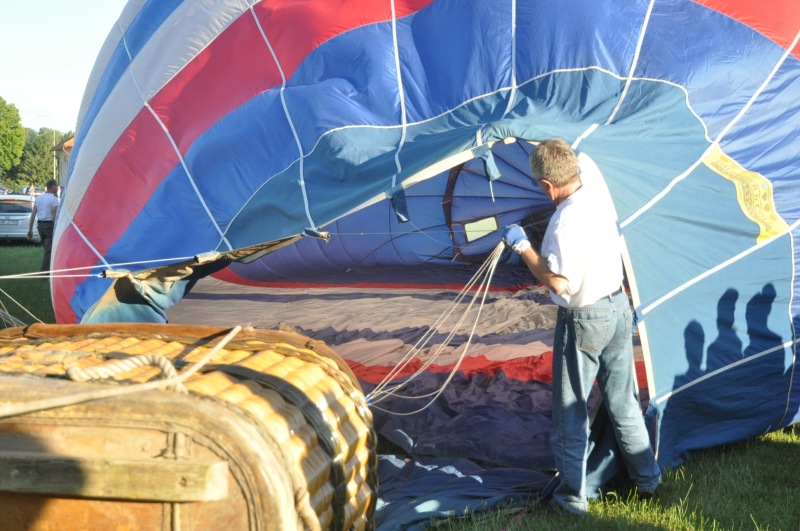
[[554, 160]]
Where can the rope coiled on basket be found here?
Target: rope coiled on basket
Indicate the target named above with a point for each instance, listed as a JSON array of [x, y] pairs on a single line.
[[10, 410], [109, 370]]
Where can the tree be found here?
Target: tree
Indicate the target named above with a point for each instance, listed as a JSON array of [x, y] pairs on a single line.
[[36, 164], [12, 137]]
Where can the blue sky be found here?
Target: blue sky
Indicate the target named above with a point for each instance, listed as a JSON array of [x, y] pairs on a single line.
[[47, 51]]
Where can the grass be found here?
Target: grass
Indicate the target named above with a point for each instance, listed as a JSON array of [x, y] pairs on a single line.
[[753, 485], [32, 294]]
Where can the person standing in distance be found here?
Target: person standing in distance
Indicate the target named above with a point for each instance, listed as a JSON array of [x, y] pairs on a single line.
[[44, 211], [581, 265]]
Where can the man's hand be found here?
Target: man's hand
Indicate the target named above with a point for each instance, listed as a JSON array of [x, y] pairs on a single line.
[[30, 234], [514, 236]]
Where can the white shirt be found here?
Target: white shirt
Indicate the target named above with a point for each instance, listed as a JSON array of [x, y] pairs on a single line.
[[582, 241], [45, 206]]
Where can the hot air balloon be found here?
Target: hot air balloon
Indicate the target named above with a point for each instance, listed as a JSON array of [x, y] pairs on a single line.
[[269, 144]]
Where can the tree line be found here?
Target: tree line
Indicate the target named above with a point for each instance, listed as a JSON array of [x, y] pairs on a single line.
[[26, 156]]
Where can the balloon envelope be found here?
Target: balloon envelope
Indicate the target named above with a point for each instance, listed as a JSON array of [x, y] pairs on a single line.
[[212, 128]]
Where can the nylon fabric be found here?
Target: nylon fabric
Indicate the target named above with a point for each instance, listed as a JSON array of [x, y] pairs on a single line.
[[297, 113]]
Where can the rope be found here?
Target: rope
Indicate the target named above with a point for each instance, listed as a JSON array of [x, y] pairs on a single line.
[[10, 410], [57, 273], [10, 319], [74, 272], [109, 370], [382, 391], [62, 273]]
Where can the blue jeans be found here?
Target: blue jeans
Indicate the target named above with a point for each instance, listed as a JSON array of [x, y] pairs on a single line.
[[593, 342]]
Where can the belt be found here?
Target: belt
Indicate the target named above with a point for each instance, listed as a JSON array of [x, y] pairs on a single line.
[[45, 221], [614, 294]]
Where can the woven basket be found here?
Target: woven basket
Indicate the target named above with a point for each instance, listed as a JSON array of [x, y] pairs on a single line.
[[273, 433]]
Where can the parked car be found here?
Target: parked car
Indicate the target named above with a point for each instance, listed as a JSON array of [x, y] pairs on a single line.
[[15, 214], [33, 190], [5, 190]]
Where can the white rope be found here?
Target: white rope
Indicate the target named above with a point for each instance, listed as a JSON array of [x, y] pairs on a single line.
[[61, 273], [10, 410], [383, 389], [401, 365], [109, 370], [10, 319], [56, 273]]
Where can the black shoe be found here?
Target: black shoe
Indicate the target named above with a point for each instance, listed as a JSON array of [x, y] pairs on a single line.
[[643, 494]]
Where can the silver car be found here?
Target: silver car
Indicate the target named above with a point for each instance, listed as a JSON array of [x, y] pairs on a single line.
[[15, 214]]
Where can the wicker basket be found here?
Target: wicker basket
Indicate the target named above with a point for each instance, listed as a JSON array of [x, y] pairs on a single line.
[[273, 433]]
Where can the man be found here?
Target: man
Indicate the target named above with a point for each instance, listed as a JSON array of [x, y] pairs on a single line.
[[580, 264], [44, 211]]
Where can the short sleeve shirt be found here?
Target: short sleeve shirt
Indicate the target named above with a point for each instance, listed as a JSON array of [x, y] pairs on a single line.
[[45, 204], [582, 241]]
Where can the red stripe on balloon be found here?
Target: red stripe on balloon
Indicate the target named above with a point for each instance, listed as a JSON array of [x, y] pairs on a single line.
[[124, 182], [778, 20], [236, 67], [71, 250]]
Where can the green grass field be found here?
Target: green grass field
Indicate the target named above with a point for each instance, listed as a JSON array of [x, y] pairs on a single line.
[[752, 485], [32, 294]]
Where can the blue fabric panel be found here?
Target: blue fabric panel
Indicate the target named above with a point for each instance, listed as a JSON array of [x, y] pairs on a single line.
[[373, 238], [369, 238], [726, 346], [576, 34], [173, 204], [715, 51], [775, 155], [88, 297], [348, 81], [236, 157], [488, 419], [744, 402], [444, 65], [412, 492], [722, 318]]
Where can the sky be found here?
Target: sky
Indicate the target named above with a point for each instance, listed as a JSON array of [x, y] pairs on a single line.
[[47, 51]]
